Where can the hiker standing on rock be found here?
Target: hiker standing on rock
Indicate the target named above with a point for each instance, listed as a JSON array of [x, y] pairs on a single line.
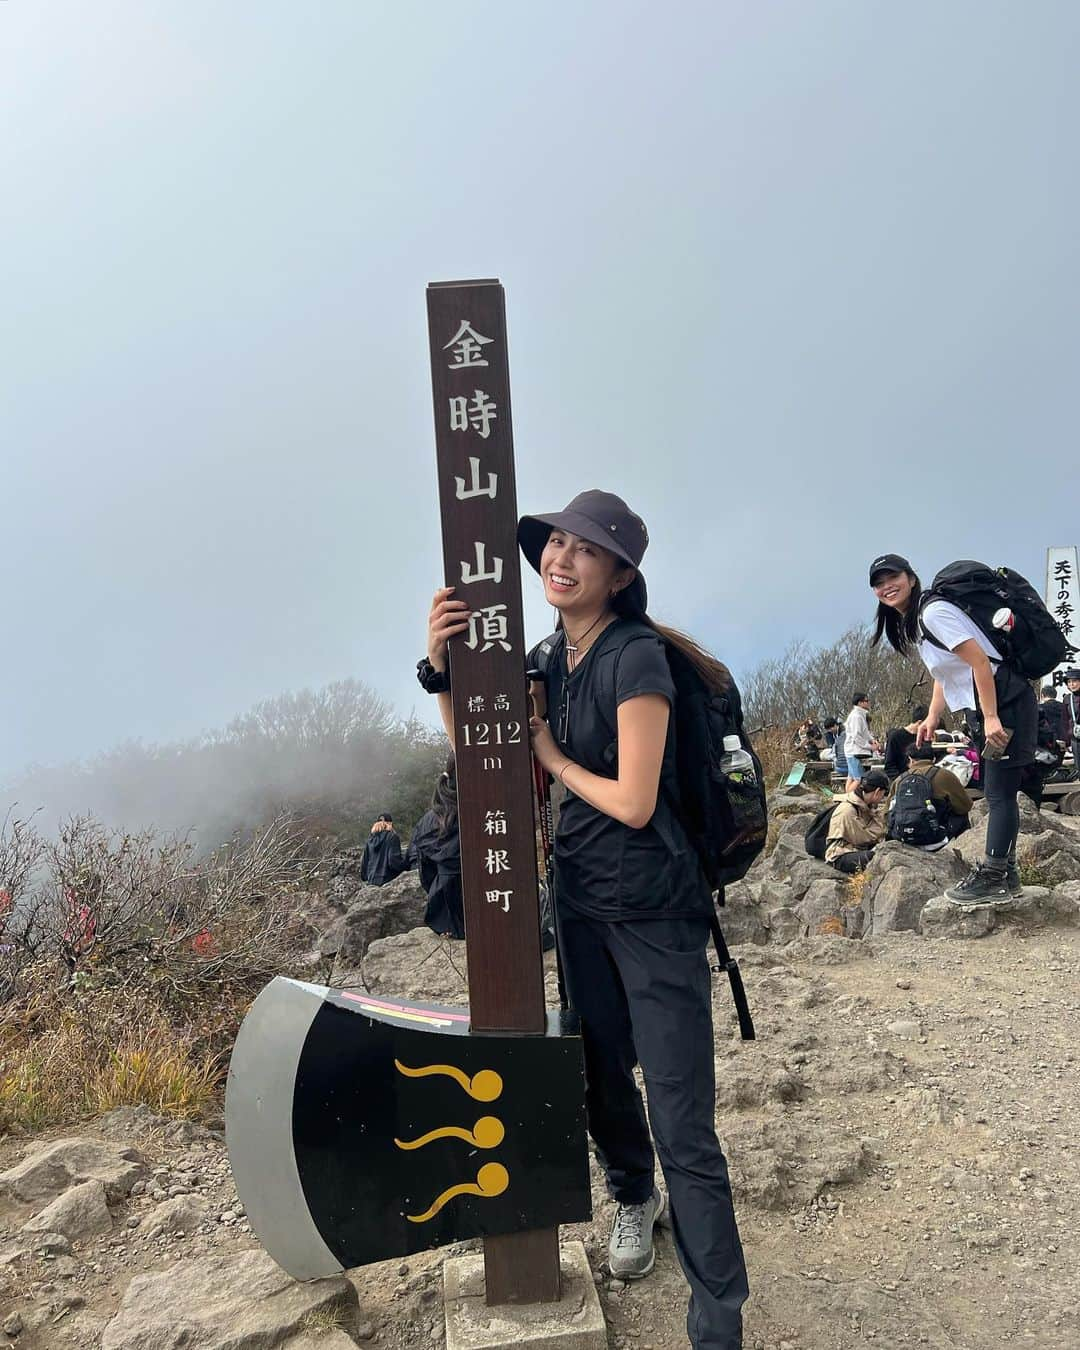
[[633, 904], [970, 678], [382, 859], [859, 744]]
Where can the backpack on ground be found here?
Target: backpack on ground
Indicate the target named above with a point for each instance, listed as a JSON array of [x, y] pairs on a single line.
[[913, 813], [1033, 646], [817, 832]]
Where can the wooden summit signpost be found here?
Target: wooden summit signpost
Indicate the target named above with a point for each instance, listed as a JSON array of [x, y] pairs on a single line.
[[470, 379], [364, 1126]]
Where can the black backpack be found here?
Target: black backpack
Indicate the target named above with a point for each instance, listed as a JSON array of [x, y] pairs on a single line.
[[913, 813], [817, 832], [1034, 645], [725, 816]]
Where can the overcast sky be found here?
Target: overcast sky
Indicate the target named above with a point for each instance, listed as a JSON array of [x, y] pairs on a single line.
[[799, 280]]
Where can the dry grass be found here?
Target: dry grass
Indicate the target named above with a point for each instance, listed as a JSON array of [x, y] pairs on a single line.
[[855, 889], [68, 1063], [774, 748], [320, 1320]]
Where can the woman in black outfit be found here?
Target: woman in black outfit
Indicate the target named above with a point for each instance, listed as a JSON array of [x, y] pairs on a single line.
[[632, 902]]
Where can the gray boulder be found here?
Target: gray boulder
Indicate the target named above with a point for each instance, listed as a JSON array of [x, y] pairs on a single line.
[[1037, 907], [228, 1302], [377, 912], [78, 1213], [785, 924], [1059, 867], [51, 1169], [418, 965], [899, 882], [805, 872], [786, 800], [822, 907], [742, 916], [181, 1214], [790, 845]]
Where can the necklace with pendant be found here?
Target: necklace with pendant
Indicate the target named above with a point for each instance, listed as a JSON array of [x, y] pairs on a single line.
[[573, 648]]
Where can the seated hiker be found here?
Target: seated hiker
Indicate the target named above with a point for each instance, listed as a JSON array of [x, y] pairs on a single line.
[[436, 846], [857, 825], [897, 743], [910, 819], [382, 860], [809, 741]]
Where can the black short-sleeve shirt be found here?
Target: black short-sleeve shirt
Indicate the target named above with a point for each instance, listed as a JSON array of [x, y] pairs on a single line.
[[605, 869]]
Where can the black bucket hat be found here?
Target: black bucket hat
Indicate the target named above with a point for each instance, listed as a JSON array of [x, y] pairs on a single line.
[[601, 518]]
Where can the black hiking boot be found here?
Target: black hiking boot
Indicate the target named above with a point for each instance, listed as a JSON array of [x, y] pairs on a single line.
[[1012, 879], [982, 886]]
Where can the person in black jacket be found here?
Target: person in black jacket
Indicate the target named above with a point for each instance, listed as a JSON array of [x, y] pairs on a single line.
[[632, 901], [382, 860], [436, 846], [1053, 711], [1071, 718]]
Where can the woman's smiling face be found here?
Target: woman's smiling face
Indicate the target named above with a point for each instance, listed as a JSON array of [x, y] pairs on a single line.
[[580, 576], [894, 589]]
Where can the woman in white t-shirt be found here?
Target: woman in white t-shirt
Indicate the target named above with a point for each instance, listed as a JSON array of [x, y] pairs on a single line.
[[969, 678]]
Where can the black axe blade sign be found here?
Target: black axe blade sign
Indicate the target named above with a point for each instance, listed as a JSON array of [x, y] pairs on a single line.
[[361, 1128]]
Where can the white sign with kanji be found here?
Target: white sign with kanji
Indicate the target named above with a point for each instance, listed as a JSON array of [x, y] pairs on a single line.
[[1063, 601]]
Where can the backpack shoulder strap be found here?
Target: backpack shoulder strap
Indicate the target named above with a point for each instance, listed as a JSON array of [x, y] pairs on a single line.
[[544, 652], [730, 967], [925, 599]]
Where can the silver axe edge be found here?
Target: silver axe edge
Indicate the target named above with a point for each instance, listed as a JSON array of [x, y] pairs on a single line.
[[258, 1126]]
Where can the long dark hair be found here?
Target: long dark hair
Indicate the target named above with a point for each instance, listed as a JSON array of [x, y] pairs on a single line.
[[714, 674], [444, 804], [901, 631]]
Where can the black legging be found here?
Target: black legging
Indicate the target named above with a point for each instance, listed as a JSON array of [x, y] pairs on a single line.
[[1001, 783]]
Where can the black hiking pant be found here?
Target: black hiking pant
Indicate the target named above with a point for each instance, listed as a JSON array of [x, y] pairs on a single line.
[[643, 991], [858, 860]]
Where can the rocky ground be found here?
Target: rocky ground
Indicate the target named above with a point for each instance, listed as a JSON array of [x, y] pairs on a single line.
[[902, 1139]]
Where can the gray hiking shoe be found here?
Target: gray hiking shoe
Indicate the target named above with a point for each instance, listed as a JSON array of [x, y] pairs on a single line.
[[630, 1248], [982, 886]]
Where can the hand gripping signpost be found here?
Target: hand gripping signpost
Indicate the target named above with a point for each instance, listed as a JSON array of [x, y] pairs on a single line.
[[363, 1127]]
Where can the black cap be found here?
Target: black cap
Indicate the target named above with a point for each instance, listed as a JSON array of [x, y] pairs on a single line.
[[600, 517], [1072, 673], [889, 562]]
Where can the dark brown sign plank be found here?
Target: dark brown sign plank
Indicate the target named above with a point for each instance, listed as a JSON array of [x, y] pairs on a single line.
[[478, 503], [470, 377]]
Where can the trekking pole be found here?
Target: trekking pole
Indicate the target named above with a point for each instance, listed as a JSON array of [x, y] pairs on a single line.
[[542, 783], [541, 777]]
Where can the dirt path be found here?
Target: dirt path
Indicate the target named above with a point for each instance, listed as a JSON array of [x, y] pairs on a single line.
[[903, 1149]]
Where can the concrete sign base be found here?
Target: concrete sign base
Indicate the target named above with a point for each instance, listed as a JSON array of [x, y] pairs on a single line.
[[576, 1322]]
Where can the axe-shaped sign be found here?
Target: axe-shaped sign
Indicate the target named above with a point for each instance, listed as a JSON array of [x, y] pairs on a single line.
[[362, 1128]]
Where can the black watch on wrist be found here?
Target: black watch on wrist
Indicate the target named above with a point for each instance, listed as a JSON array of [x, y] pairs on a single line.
[[432, 681]]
